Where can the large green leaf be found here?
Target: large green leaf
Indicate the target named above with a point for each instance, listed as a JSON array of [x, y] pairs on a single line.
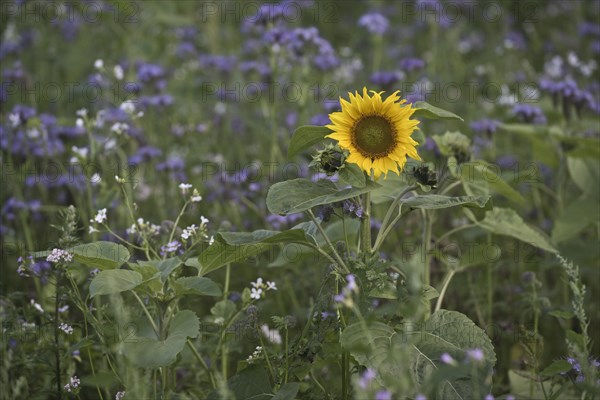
[[287, 392], [478, 176], [379, 348], [453, 333], [585, 172], [505, 221], [436, 201], [196, 285], [231, 247], [165, 267], [299, 195], [101, 254], [352, 175], [426, 110], [576, 217], [251, 383], [114, 281], [305, 137], [148, 352]]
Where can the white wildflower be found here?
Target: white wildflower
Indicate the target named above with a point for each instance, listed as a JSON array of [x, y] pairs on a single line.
[[99, 64], [36, 306], [272, 335], [58, 255], [68, 329], [185, 187], [100, 216], [118, 71]]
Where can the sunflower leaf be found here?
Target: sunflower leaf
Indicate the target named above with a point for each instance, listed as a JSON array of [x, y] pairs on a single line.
[[305, 137], [426, 110], [299, 195]]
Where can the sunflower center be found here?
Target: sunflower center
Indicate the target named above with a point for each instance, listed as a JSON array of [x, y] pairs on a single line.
[[374, 136]]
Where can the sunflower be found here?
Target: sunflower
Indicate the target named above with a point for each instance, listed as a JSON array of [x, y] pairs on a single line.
[[375, 132]]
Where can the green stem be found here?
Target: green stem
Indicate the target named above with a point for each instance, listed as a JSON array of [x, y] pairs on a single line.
[[152, 323], [393, 206], [331, 247], [202, 363], [365, 239], [440, 299], [426, 255]]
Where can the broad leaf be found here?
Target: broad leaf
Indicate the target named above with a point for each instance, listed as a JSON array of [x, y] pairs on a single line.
[[305, 137], [148, 352], [101, 254], [250, 383], [505, 221], [426, 110], [287, 392], [196, 285], [352, 175], [576, 217], [436, 201], [478, 176], [164, 266], [114, 281], [299, 195], [453, 333], [231, 247]]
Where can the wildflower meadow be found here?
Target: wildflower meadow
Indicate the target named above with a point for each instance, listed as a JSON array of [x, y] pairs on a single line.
[[300, 199]]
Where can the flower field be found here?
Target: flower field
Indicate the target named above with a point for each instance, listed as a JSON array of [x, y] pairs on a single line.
[[305, 199]]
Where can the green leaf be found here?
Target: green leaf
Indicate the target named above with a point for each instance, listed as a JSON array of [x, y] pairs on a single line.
[[436, 201], [224, 310], [556, 368], [251, 383], [196, 285], [101, 255], [148, 352], [287, 392], [150, 276], [379, 348], [352, 175], [578, 215], [561, 314], [166, 267], [231, 247], [426, 110], [505, 221], [453, 333], [114, 281], [478, 176], [585, 172], [305, 137], [299, 195]]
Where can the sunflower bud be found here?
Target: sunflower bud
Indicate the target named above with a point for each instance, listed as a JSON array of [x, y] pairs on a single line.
[[329, 160], [425, 175]]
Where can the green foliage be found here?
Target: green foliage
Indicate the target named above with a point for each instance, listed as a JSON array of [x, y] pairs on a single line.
[[152, 352], [426, 110], [306, 136], [299, 195], [114, 281]]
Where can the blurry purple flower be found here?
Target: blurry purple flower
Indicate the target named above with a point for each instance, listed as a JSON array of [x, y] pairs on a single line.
[[385, 78], [475, 354], [529, 114], [320, 119], [411, 64], [485, 125], [374, 22], [383, 395], [365, 379]]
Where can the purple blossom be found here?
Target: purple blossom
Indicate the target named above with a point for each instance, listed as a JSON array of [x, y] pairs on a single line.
[[485, 125], [365, 379], [411, 64], [383, 395], [374, 22], [385, 78], [475, 354], [529, 114]]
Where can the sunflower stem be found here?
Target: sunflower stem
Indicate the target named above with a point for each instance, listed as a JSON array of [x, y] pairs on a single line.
[[366, 227]]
